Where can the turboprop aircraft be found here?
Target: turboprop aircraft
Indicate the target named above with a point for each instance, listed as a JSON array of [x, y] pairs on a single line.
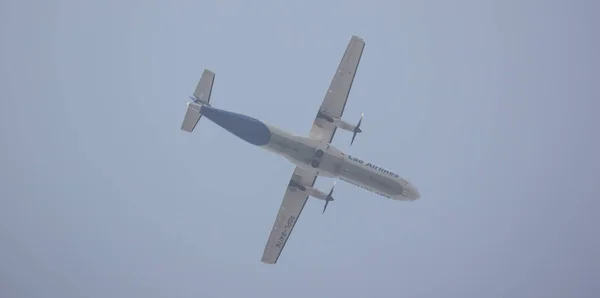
[[313, 155]]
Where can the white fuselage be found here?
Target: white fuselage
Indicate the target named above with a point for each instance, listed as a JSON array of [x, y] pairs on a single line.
[[333, 163], [311, 154]]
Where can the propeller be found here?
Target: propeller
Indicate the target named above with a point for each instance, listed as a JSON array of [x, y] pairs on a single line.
[[329, 198], [357, 128]]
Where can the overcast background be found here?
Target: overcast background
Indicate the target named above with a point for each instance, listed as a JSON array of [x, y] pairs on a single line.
[[487, 107]]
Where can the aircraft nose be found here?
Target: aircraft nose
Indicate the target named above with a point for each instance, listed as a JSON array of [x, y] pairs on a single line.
[[416, 194], [412, 192]]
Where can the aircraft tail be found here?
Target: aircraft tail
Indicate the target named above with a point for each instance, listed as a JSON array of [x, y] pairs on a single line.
[[192, 116], [201, 97]]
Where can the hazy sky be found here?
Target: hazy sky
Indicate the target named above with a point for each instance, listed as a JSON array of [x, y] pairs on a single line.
[[487, 107]]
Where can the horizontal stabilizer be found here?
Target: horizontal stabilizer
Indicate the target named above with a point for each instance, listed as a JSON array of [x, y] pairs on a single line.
[[192, 115], [204, 87], [201, 97]]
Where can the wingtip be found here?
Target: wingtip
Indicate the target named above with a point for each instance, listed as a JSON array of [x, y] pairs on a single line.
[[264, 261], [357, 38]]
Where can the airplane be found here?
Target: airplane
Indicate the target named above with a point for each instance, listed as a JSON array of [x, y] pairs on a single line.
[[313, 155]]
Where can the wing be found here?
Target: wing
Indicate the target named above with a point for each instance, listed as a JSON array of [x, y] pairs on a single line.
[[335, 100], [333, 104], [289, 212]]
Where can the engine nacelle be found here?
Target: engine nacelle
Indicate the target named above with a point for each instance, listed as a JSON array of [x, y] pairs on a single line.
[[313, 192], [318, 194], [339, 123]]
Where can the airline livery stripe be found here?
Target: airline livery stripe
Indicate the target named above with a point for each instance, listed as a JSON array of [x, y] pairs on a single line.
[[374, 167]]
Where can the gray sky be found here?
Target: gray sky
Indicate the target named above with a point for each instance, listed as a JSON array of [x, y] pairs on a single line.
[[486, 107]]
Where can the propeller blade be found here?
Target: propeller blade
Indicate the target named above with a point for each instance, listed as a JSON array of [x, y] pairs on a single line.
[[331, 192], [329, 198], [325, 208], [357, 129], [360, 121]]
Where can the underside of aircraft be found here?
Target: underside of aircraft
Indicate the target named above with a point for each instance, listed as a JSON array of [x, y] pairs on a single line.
[[313, 154]]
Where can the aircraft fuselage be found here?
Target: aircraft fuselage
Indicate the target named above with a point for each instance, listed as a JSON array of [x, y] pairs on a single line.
[[314, 155]]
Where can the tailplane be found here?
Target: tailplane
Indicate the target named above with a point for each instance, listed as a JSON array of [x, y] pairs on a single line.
[[192, 116], [201, 97]]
